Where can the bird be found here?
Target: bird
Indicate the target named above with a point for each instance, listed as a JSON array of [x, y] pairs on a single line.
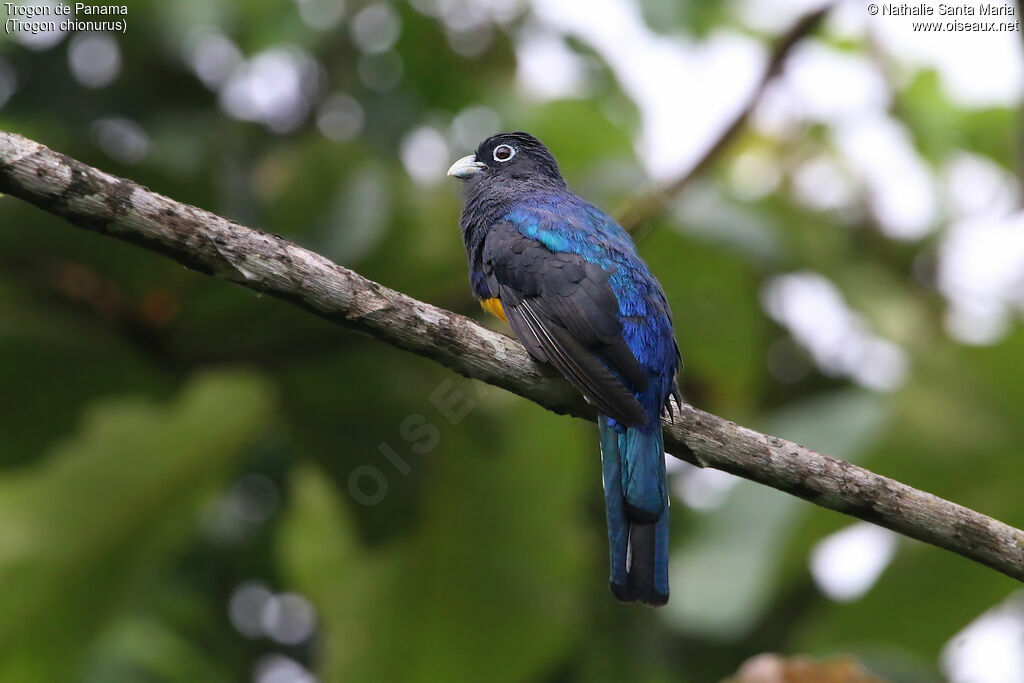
[[569, 281]]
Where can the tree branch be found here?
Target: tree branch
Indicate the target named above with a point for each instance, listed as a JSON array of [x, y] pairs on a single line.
[[648, 205], [93, 200]]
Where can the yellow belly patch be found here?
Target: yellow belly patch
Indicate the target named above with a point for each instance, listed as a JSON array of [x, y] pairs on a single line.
[[493, 306]]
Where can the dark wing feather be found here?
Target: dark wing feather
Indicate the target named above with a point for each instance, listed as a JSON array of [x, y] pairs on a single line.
[[564, 311]]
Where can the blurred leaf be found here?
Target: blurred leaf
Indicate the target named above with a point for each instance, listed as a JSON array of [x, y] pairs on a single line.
[[136, 644], [318, 544], [42, 343], [719, 327], [731, 564], [430, 607], [955, 431], [82, 529], [940, 127], [926, 595], [695, 16], [579, 132]]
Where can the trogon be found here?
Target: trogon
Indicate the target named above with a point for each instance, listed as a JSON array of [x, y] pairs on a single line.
[[569, 281]]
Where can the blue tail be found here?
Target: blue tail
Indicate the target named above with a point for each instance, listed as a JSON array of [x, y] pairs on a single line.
[[633, 463]]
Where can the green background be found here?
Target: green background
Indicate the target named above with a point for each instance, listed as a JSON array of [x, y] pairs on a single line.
[[165, 436]]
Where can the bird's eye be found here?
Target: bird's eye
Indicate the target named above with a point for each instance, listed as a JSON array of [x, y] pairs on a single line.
[[504, 152]]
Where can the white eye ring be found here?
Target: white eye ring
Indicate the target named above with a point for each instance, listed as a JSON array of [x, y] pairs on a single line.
[[509, 148]]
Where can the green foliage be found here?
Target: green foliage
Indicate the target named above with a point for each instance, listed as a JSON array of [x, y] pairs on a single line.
[[725, 598], [474, 534], [942, 128], [123, 441], [84, 527]]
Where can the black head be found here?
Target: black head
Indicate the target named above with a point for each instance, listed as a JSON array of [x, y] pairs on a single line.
[[509, 156]]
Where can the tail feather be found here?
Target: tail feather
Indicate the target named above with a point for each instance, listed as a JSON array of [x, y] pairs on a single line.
[[648, 567], [642, 452], [618, 527], [637, 513]]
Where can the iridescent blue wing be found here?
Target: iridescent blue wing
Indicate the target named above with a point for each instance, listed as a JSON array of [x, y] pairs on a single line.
[[563, 309]]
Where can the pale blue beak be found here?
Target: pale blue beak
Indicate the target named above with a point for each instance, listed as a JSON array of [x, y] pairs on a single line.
[[466, 167]]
